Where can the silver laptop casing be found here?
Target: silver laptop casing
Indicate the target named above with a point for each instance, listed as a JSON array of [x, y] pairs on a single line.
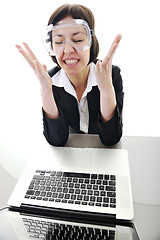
[[84, 160]]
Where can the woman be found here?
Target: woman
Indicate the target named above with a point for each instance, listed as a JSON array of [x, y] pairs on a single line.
[[81, 94]]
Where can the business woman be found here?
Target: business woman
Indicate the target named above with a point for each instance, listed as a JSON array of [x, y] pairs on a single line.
[[81, 94]]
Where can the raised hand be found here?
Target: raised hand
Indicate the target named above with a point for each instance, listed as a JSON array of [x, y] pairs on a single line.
[[39, 69], [48, 101], [104, 80], [104, 68]]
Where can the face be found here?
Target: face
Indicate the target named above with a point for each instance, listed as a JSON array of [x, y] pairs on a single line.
[[72, 57]]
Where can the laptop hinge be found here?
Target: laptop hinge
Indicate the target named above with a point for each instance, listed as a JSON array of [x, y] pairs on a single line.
[[70, 215]]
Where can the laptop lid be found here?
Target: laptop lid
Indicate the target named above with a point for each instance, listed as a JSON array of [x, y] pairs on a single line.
[[86, 162], [20, 226]]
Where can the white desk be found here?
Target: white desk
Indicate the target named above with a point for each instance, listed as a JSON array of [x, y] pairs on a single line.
[[144, 158]]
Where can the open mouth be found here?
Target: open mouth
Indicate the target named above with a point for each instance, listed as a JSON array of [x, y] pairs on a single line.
[[71, 61]]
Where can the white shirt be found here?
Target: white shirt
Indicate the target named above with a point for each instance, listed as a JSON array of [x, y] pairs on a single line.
[[60, 79]]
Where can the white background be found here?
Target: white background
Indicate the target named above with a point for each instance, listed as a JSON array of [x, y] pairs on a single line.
[[137, 56]]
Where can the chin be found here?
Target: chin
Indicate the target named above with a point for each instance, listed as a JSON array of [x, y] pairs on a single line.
[[72, 72], [72, 69]]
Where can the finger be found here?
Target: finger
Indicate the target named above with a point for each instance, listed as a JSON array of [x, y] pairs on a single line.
[[29, 51], [99, 66], [117, 39], [101, 70], [109, 56], [40, 70], [44, 66], [41, 73], [110, 67], [111, 51], [25, 55]]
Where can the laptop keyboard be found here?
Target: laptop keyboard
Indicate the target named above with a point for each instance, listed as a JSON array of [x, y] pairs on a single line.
[[49, 230], [73, 188]]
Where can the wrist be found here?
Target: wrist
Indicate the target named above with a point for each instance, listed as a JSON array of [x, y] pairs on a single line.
[[45, 91], [107, 91]]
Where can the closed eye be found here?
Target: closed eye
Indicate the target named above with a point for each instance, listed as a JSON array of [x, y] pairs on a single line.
[[80, 40], [58, 43]]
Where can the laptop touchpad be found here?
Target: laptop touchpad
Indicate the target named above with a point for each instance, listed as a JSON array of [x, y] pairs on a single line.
[[76, 159]]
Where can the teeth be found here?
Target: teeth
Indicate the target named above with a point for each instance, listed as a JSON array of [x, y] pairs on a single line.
[[72, 61]]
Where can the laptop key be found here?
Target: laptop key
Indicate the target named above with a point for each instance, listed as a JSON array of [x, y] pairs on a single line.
[[30, 192], [45, 199], [70, 201], [39, 177], [55, 195], [98, 204], [86, 198], [112, 183], [93, 176], [84, 192], [79, 197], [105, 205], [67, 196], [112, 200], [103, 193], [111, 194], [113, 177], [76, 175], [51, 199], [106, 200], [92, 199], [99, 199], [106, 177], [96, 193], [111, 188], [27, 196], [33, 197], [73, 197], [95, 187], [91, 203], [100, 176], [112, 205]]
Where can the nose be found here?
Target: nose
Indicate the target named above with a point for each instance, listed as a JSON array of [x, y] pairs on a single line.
[[68, 47]]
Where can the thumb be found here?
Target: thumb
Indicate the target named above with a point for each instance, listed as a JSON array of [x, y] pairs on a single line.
[[99, 66]]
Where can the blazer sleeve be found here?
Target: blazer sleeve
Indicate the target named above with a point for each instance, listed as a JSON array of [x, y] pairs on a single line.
[[110, 132], [55, 131]]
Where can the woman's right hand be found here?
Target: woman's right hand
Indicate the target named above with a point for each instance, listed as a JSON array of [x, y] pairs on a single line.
[[39, 69]]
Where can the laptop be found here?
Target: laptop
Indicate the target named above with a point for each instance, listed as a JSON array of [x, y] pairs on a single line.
[[88, 183], [20, 226]]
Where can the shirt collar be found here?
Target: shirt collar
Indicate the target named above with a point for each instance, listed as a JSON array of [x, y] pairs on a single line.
[[60, 79]]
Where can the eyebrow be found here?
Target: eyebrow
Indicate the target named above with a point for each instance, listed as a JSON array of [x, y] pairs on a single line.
[[74, 34], [58, 35]]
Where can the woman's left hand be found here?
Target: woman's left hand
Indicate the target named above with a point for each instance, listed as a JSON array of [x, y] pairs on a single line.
[[104, 68], [104, 80]]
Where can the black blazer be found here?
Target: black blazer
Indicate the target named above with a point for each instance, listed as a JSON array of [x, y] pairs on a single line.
[[56, 131]]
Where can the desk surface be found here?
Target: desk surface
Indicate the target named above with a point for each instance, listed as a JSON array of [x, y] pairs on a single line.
[[144, 159]]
